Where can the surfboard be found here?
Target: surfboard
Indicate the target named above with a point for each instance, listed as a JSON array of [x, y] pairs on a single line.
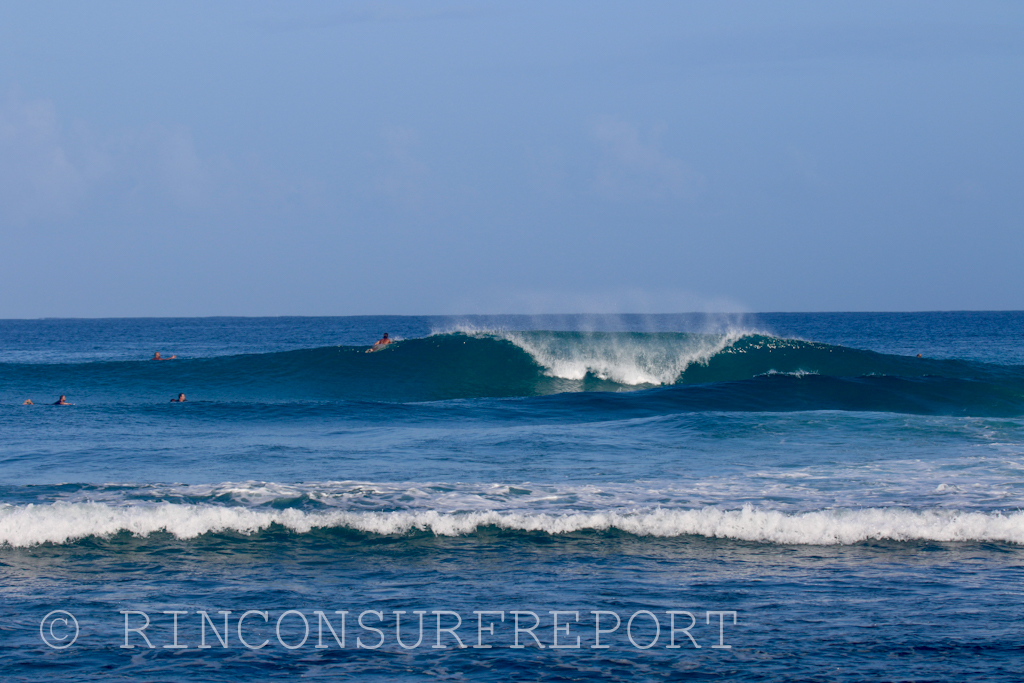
[[378, 347]]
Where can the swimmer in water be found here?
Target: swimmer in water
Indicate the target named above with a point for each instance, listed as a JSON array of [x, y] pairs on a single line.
[[180, 399], [61, 401], [157, 356]]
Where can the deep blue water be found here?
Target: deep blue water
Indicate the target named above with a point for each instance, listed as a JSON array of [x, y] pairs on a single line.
[[856, 506]]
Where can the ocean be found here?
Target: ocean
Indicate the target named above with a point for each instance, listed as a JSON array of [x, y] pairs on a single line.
[[760, 497]]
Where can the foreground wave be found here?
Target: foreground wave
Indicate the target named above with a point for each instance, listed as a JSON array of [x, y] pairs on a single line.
[[60, 523]]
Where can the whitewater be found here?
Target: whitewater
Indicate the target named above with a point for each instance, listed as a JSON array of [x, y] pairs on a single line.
[[64, 523]]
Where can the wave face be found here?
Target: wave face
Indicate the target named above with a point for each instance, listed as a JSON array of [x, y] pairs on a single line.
[[678, 371]]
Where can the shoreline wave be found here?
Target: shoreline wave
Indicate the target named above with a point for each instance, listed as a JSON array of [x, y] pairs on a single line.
[[64, 523]]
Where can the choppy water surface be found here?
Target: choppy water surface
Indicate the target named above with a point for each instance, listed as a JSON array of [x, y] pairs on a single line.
[[857, 507]]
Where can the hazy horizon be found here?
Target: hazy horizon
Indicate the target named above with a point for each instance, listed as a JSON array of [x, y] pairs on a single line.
[[583, 314]]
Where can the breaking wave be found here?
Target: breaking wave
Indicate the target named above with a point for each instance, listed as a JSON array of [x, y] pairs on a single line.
[[735, 371], [61, 523]]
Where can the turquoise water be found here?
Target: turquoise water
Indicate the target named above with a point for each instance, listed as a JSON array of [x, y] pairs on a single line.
[[856, 506]]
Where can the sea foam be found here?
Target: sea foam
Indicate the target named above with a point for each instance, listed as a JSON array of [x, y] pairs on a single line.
[[59, 523]]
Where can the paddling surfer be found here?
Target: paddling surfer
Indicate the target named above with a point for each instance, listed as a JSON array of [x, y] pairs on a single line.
[[380, 343], [157, 356], [62, 401], [180, 399]]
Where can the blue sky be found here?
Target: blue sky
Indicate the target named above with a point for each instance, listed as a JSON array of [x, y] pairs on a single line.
[[337, 158]]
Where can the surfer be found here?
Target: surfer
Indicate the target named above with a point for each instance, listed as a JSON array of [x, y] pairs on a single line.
[[180, 399], [62, 401], [380, 343], [157, 356], [28, 402]]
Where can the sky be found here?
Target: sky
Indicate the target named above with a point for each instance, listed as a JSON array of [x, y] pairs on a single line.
[[359, 158]]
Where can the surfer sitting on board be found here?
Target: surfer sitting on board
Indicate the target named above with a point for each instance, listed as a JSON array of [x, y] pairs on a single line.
[[380, 344], [156, 356]]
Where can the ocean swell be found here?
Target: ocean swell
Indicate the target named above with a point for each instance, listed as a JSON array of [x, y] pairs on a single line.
[[737, 371]]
